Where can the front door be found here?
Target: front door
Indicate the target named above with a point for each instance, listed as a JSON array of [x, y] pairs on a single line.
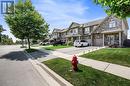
[[109, 40]]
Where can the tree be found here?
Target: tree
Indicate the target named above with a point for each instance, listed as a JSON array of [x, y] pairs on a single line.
[[6, 40], [26, 22], [1, 30], [119, 8]]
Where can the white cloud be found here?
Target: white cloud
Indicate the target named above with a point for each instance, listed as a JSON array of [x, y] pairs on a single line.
[[61, 14]]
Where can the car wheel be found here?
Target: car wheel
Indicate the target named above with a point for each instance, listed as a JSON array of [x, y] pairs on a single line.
[[81, 45]]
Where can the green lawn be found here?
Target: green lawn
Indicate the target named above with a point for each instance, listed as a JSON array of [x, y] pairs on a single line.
[[86, 76], [113, 55], [56, 47], [31, 50]]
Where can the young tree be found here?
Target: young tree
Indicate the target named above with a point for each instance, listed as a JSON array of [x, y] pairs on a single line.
[[1, 30], [26, 22], [119, 8], [6, 40]]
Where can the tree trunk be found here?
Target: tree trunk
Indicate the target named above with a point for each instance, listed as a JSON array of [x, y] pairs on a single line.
[[28, 43], [22, 43], [0, 37]]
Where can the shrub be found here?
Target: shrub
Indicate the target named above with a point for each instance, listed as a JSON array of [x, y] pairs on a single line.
[[126, 43], [70, 43]]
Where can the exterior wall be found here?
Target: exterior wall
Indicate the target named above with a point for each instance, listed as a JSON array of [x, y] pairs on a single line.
[[97, 40], [63, 38], [124, 37], [105, 25], [125, 30], [112, 38], [109, 31], [97, 32], [88, 39], [73, 31]]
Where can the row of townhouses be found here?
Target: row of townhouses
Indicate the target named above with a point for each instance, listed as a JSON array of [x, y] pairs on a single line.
[[102, 32]]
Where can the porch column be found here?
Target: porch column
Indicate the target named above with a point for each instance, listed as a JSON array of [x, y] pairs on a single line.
[[66, 40], [120, 39], [72, 39], [103, 39], [91, 40], [79, 37]]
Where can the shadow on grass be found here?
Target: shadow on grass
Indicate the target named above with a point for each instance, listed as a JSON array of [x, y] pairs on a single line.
[[79, 70]]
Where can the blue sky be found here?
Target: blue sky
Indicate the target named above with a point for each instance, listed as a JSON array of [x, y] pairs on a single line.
[[60, 13]]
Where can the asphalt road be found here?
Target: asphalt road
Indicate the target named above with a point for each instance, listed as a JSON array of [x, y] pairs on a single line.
[[16, 70]]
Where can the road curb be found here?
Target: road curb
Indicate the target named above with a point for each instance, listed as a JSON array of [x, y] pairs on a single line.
[[58, 78], [54, 75]]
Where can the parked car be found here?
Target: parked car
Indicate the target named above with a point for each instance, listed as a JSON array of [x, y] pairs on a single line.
[[80, 43], [41, 43], [55, 43], [44, 43]]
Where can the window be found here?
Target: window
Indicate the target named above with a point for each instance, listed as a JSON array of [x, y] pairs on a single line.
[[112, 24], [75, 31], [71, 31], [116, 37], [87, 30]]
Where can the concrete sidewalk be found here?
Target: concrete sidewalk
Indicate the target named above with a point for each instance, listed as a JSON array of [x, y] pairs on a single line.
[[115, 69]]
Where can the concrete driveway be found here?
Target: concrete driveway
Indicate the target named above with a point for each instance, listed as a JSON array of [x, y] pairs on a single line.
[[76, 50]]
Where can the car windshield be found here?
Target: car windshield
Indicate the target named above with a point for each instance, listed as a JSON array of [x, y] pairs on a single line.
[[83, 41], [76, 40]]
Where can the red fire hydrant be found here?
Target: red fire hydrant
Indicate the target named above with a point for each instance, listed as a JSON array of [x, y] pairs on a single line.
[[74, 63]]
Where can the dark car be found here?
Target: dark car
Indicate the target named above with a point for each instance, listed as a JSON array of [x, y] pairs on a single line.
[[55, 43]]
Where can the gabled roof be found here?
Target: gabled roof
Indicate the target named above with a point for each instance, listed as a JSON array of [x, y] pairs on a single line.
[[64, 30], [59, 30], [74, 24], [101, 23], [56, 30], [98, 23], [91, 23]]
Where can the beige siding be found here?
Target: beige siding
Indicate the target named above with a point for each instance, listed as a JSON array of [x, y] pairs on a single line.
[[98, 42]]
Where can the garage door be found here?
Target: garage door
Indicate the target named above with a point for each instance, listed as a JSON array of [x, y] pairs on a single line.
[[98, 42]]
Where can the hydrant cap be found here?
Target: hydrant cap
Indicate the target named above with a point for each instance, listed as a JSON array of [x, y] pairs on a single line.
[[74, 57]]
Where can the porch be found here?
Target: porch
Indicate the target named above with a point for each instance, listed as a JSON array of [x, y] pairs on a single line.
[[112, 38], [73, 38]]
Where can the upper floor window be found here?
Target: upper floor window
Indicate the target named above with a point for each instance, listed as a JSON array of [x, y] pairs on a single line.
[[75, 31], [71, 31], [112, 24], [87, 30]]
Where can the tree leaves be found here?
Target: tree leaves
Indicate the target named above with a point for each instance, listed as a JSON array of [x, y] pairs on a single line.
[[119, 8], [26, 21]]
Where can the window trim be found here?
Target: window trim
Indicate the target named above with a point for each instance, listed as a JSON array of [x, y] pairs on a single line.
[[87, 30], [112, 24]]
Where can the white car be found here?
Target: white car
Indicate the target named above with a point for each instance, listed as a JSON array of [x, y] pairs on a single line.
[[80, 43]]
